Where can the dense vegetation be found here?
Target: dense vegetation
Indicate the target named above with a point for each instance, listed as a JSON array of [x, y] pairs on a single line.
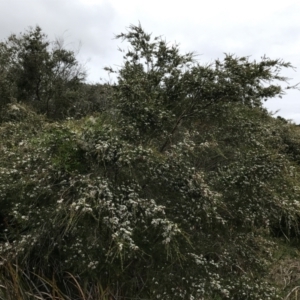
[[172, 183]]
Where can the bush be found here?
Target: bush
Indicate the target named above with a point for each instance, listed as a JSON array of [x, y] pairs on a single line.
[[182, 192]]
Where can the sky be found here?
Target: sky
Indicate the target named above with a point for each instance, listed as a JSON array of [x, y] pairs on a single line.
[[209, 28]]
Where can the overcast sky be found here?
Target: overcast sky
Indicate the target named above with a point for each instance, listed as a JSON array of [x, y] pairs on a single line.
[[209, 28]]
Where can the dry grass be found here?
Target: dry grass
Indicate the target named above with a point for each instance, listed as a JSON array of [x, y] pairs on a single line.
[[16, 284], [286, 274]]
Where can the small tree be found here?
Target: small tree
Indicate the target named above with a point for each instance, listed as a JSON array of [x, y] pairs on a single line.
[[159, 90], [41, 73]]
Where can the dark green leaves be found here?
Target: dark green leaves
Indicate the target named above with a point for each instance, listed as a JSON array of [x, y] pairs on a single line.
[[41, 73], [159, 89]]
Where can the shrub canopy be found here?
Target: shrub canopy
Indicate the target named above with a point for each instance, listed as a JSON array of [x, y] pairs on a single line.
[[185, 188]]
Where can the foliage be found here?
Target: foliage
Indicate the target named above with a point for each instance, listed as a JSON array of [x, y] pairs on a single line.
[[94, 98], [40, 73], [184, 188], [159, 89]]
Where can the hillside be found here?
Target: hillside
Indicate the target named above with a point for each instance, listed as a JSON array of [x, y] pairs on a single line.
[[172, 183]]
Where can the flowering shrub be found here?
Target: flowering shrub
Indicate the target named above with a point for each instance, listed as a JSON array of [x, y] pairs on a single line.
[[172, 195]]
